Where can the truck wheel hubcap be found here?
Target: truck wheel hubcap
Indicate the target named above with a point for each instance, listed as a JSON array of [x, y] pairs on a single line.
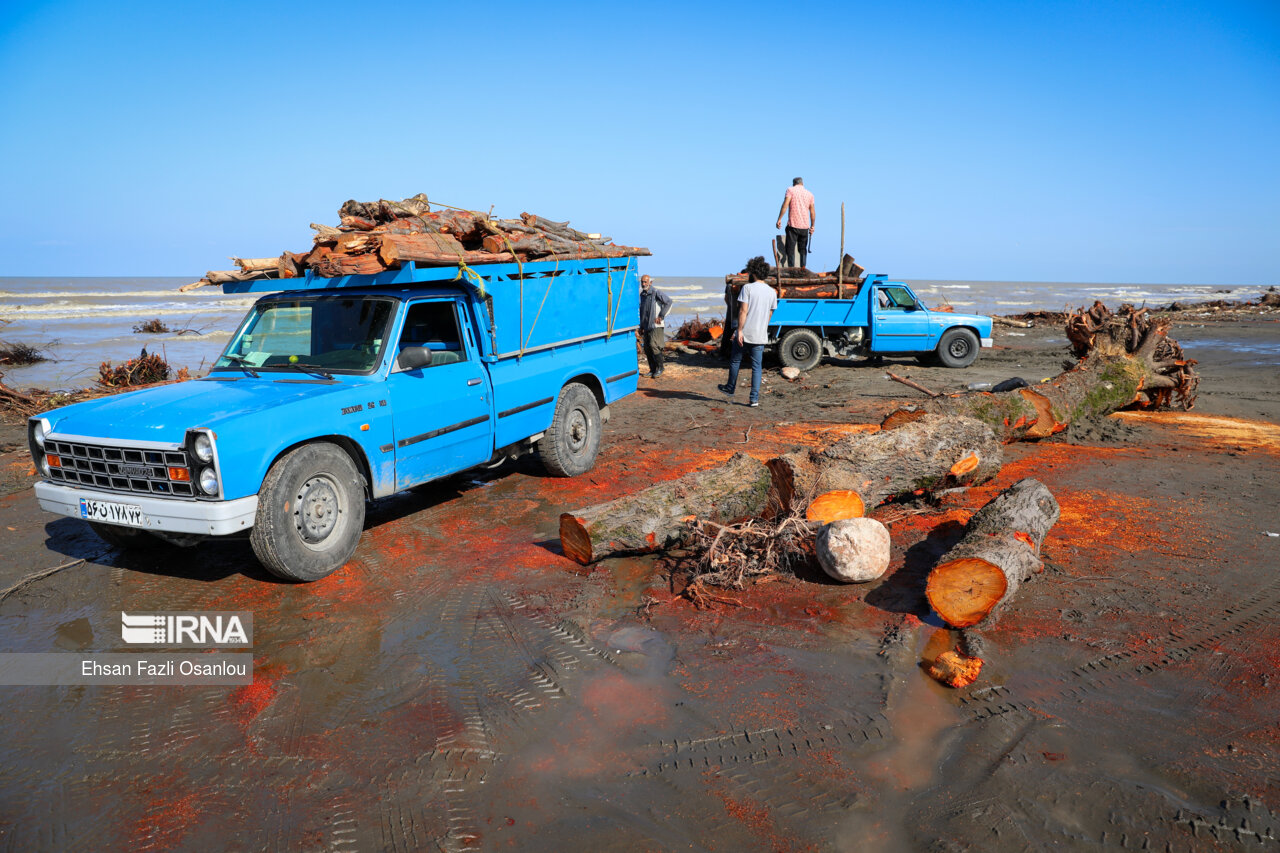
[[578, 430], [316, 510], [959, 348]]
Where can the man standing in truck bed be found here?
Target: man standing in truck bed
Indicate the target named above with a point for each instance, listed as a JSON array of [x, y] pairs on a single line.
[[797, 206], [654, 305]]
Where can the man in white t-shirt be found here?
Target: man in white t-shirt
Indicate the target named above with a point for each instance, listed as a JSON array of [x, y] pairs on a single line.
[[756, 302]]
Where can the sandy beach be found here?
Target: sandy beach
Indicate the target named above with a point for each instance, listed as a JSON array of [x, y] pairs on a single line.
[[462, 685]]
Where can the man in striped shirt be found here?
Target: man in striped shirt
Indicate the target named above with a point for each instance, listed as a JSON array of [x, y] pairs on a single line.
[[798, 207]]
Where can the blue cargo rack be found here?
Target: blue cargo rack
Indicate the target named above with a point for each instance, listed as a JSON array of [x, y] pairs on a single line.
[[532, 306]]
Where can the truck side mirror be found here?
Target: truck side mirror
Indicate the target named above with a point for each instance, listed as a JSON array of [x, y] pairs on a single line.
[[411, 358]]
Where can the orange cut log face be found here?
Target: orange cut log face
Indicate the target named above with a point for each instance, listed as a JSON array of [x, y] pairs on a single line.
[[965, 465], [835, 506]]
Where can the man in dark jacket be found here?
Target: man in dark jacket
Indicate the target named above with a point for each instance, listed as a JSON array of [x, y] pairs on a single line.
[[654, 305]]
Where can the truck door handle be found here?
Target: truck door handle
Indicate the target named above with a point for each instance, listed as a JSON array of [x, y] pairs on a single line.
[[476, 381]]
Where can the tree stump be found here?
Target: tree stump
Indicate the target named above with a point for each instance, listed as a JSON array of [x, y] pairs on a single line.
[[999, 552], [655, 518]]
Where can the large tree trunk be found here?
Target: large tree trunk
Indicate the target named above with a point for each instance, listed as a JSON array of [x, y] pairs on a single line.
[[655, 518], [929, 453], [999, 552], [1128, 359]]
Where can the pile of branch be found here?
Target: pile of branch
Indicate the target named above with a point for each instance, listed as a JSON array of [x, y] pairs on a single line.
[[381, 235], [17, 406], [1125, 360], [146, 369], [732, 554], [700, 331]]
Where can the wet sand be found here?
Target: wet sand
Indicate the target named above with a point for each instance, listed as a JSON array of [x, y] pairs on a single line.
[[462, 685]]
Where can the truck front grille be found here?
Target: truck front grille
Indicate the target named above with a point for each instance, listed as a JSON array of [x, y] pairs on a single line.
[[119, 469]]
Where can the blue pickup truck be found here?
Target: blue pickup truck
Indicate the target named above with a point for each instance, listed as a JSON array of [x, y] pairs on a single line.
[[347, 389], [881, 318]]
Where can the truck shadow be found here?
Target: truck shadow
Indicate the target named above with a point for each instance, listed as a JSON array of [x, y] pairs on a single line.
[[209, 561]]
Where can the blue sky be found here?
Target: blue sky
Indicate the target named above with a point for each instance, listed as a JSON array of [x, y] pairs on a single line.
[[1073, 141]]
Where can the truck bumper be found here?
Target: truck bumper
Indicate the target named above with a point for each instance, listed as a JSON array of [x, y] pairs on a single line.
[[988, 342], [159, 515]]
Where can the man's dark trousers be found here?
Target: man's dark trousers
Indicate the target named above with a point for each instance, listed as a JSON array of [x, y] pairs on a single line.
[[797, 246], [654, 341], [756, 354]]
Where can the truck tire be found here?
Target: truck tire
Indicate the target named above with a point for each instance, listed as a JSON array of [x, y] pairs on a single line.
[[958, 348], [310, 513], [570, 444], [125, 538], [800, 348]]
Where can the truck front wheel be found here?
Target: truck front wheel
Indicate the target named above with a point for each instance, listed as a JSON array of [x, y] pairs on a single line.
[[801, 349], [310, 513], [570, 444], [958, 348]]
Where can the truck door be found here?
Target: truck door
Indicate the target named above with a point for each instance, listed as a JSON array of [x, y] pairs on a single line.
[[898, 323], [441, 412]]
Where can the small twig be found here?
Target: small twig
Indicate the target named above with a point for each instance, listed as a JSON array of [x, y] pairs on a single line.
[[43, 573], [896, 378], [746, 436]]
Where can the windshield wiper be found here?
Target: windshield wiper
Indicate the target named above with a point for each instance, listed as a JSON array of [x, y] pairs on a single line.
[[310, 369], [243, 363]]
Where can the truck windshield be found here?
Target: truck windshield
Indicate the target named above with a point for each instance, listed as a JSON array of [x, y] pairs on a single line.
[[332, 333]]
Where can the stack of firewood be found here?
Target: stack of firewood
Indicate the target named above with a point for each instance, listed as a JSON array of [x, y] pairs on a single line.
[[381, 235]]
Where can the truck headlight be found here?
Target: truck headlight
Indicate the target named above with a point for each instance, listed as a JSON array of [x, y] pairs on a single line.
[[208, 481], [203, 448], [38, 433]]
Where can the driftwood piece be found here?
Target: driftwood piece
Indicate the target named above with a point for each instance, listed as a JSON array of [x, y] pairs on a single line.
[[955, 669], [336, 264], [999, 552], [929, 453], [256, 264], [835, 506], [656, 517]]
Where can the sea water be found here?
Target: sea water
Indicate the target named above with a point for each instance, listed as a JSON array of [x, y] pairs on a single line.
[[81, 322]]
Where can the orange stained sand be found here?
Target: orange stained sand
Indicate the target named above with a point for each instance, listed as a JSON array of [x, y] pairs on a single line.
[[250, 700], [1218, 430]]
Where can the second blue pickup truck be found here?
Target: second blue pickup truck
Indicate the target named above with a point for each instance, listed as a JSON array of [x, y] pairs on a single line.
[[875, 317]]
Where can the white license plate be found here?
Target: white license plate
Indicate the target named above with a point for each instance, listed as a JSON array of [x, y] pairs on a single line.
[[112, 513]]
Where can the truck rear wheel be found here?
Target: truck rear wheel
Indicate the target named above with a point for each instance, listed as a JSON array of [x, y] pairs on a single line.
[[570, 444], [310, 513], [958, 348], [125, 538], [801, 349]]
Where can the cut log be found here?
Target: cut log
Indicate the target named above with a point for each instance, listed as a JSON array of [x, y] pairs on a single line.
[[656, 517], [256, 264], [1129, 361], [917, 457], [955, 670], [854, 550], [999, 552], [334, 264], [421, 247], [835, 506], [1017, 324], [234, 276]]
